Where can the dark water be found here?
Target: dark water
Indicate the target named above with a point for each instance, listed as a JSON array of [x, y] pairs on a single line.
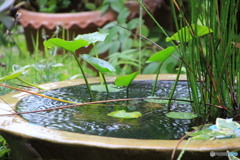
[[93, 119]]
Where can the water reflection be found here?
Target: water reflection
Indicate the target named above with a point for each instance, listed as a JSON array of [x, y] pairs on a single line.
[[93, 119]]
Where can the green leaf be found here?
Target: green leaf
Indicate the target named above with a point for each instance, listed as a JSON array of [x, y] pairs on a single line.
[[122, 16], [145, 30], [201, 132], [101, 65], [117, 6], [90, 6], [184, 34], [162, 55], [124, 114], [102, 88], [71, 46], [227, 125], [92, 38], [126, 79], [181, 115], [132, 24], [15, 74], [7, 21], [155, 100], [206, 134]]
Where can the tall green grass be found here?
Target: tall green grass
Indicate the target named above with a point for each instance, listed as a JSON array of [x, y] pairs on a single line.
[[212, 62]]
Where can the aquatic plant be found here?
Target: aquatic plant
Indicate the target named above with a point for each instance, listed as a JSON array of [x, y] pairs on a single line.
[[212, 61], [71, 46], [16, 75]]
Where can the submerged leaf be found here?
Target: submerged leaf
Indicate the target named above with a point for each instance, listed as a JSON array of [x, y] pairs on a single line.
[[184, 34], [99, 64], [92, 37], [154, 99], [124, 81], [71, 46], [102, 88], [124, 114], [162, 55], [181, 115]]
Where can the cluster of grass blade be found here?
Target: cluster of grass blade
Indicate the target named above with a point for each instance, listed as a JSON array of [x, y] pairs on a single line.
[[213, 61]]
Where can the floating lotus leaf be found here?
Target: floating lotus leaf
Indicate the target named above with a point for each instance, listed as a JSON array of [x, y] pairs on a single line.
[[124, 114], [181, 115]]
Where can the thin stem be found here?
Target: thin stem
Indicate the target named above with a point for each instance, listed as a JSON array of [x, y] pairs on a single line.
[[156, 79], [96, 54], [140, 38], [155, 21], [127, 91], [84, 76], [105, 83], [175, 85], [30, 84]]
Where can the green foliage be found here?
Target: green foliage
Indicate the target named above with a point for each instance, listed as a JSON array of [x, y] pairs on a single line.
[[162, 55], [4, 149], [125, 115], [187, 33], [5, 19], [45, 68], [114, 5], [210, 61], [58, 6], [122, 47], [154, 99], [101, 65], [71, 46], [52, 6], [126, 79], [102, 88], [181, 115], [125, 62], [92, 38], [15, 74], [205, 134], [224, 128], [228, 125]]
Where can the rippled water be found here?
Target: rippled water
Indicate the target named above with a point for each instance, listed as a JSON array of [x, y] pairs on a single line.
[[93, 119]]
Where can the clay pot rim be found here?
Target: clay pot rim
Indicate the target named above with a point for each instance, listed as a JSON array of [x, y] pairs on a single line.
[[18, 126], [65, 20]]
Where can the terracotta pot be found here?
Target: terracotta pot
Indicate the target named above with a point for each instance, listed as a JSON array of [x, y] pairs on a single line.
[[36, 23], [29, 141]]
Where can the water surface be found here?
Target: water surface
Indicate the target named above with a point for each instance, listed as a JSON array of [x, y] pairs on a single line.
[[93, 119]]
